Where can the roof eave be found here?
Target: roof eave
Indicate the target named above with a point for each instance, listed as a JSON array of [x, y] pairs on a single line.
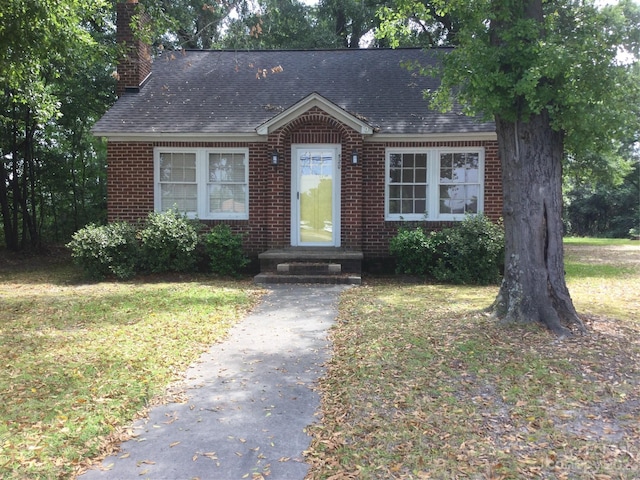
[[255, 137], [178, 137], [433, 137]]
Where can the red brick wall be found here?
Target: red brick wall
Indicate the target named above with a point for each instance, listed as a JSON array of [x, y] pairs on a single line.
[[131, 197], [129, 181]]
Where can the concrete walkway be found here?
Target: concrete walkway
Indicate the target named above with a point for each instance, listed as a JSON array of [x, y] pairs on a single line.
[[249, 399]]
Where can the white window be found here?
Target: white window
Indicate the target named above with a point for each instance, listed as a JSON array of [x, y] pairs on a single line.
[[433, 183], [203, 183]]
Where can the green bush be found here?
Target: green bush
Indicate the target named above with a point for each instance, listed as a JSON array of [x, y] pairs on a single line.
[[106, 250], [469, 253], [224, 249], [168, 242], [410, 248]]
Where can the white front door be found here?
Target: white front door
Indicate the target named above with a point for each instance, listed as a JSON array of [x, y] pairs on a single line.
[[315, 195]]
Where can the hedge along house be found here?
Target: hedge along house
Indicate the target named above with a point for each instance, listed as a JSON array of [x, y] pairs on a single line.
[[317, 157]]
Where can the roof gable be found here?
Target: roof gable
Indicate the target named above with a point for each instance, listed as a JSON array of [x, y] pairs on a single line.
[[314, 100]]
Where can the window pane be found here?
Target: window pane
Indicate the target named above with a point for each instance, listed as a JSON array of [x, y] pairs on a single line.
[[421, 160], [421, 206], [394, 206], [227, 167], [408, 160], [459, 174], [472, 175], [452, 199], [421, 175], [446, 175], [394, 191], [459, 160], [407, 191], [459, 182], [471, 202], [178, 167], [407, 175], [180, 196], [472, 191], [227, 198], [407, 206]]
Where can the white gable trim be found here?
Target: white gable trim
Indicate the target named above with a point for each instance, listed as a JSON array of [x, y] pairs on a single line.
[[310, 101]]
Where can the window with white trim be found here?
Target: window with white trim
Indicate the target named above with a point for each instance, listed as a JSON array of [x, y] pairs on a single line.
[[433, 183], [210, 184]]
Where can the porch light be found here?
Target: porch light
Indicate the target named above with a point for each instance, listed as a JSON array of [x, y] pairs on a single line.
[[275, 156], [354, 157]]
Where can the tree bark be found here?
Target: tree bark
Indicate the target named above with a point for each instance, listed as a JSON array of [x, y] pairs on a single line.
[[534, 287]]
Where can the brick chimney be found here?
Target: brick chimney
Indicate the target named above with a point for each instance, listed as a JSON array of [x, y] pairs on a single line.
[[134, 66]]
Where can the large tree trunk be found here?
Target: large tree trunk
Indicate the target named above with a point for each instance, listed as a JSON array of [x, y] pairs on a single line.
[[534, 287]]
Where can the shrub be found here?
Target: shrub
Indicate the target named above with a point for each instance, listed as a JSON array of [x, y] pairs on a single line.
[[409, 247], [168, 242], [106, 250], [471, 252], [224, 249]]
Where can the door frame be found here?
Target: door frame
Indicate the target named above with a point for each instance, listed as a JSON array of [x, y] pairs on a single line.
[[295, 191]]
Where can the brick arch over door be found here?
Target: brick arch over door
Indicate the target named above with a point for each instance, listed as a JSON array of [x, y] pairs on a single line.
[[316, 126], [316, 117]]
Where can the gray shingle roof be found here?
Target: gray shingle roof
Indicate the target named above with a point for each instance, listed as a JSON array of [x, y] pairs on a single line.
[[200, 92]]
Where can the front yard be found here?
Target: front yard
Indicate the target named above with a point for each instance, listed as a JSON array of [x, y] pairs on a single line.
[[424, 384]]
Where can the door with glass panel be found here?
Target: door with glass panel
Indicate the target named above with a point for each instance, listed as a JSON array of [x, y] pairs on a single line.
[[315, 196]]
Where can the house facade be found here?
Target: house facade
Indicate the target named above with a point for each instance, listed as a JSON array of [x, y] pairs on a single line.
[[329, 149]]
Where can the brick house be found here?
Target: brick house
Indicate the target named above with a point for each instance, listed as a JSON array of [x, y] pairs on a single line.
[[322, 152]]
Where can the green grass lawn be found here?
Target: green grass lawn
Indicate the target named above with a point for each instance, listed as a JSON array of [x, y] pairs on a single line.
[[81, 360], [424, 384]]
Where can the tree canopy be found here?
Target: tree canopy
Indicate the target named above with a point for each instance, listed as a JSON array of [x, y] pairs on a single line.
[[579, 63], [49, 52]]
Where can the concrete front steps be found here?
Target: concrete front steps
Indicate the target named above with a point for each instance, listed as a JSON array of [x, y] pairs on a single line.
[[310, 265]]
